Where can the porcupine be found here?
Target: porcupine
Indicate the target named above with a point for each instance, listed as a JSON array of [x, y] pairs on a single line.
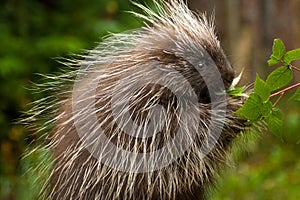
[[119, 88]]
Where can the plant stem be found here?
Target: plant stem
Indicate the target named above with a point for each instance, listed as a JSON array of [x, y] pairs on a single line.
[[295, 68], [277, 101], [284, 90]]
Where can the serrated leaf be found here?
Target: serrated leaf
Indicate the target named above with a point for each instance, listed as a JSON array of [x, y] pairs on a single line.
[[296, 95], [261, 89], [252, 107], [291, 56], [237, 92], [275, 122], [266, 109], [279, 78], [278, 52]]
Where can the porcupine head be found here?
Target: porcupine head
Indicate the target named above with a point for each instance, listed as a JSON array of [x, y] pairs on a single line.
[[144, 115]]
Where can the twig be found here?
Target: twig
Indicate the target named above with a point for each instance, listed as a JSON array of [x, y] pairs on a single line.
[[295, 68], [284, 90], [277, 101]]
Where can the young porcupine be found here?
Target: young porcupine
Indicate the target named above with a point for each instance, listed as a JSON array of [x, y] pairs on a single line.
[[145, 116]]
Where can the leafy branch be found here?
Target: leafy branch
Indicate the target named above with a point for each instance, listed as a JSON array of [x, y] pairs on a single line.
[[258, 105]]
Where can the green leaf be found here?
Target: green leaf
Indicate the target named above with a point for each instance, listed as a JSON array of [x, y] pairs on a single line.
[[278, 52], [237, 92], [296, 96], [291, 56], [279, 78], [272, 62], [261, 89], [275, 122], [266, 109], [252, 108]]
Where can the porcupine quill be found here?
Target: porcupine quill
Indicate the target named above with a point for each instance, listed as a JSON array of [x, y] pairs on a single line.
[[117, 89]]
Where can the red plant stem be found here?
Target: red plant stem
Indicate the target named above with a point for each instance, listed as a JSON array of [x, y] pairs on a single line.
[[295, 68], [284, 90], [277, 101]]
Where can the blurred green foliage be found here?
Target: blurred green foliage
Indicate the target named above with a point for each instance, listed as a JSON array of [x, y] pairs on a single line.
[[35, 32], [266, 168]]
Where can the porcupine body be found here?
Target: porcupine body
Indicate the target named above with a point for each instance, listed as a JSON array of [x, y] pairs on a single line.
[[137, 92]]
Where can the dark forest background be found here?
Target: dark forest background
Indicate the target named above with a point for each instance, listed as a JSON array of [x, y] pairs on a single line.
[[34, 33]]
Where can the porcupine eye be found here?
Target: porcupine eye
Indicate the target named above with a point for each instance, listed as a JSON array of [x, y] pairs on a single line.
[[196, 81], [203, 94], [227, 75]]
